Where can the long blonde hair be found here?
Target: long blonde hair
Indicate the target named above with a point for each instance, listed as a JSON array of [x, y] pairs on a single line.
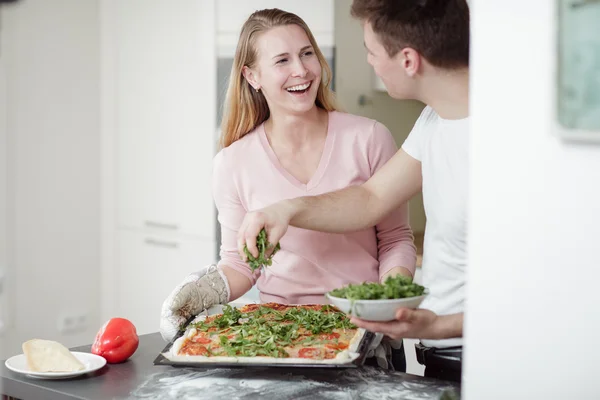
[[245, 108]]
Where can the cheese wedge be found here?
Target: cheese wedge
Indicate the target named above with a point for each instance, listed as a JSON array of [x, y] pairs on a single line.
[[50, 356]]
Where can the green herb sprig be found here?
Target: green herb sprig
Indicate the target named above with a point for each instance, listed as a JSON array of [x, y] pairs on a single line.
[[229, 317], [318, 321], [394, 287], [263, 245]]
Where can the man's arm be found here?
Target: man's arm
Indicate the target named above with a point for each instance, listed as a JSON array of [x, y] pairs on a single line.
[[347, 210], [359, 207], [417, 324]]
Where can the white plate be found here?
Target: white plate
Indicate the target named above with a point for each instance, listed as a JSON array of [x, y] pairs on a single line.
[[375, 310], [91, 362]]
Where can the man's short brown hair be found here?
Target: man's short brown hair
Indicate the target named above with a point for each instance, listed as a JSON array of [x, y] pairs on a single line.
[[437, 29]]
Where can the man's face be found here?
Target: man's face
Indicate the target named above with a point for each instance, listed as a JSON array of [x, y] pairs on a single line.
[[390, 69]]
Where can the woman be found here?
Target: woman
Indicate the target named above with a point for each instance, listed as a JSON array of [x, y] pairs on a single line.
[[283, 137]]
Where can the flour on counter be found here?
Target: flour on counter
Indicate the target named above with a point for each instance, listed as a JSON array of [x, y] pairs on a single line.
[[282, 383]]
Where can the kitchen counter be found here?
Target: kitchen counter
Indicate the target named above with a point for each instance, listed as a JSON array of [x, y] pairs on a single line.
[[139, 378]]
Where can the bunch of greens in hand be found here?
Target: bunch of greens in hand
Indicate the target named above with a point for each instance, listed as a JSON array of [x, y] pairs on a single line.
[[263, 246], [394, 287]]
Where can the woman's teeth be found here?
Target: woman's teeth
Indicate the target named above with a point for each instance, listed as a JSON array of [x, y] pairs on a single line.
[[298, 88]]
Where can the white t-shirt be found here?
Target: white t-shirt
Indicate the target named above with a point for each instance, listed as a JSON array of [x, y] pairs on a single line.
[[442, 147]]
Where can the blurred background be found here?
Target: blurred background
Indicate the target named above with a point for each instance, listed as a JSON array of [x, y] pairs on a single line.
[[109, 113]]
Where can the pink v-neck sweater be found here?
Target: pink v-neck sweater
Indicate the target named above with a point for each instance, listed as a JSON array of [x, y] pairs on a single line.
[[247, 176]]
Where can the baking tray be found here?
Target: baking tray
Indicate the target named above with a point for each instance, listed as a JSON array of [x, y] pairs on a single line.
[[362, 349]]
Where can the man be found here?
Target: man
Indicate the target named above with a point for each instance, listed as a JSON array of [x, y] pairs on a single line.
[[420, 50]]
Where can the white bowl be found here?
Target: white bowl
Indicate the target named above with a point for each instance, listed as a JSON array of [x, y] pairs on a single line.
[[375, 310]]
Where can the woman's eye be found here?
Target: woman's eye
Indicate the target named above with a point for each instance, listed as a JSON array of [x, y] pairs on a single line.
[[283, 60], [308, 53]]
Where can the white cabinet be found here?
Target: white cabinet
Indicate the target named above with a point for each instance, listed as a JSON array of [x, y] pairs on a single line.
[[164, 180], [231, 14], [318, 14], [159, 139], [49, 172], [150, 267], [165, 69]]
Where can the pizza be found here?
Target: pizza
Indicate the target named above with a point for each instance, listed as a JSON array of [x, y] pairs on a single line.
[[270, 332]]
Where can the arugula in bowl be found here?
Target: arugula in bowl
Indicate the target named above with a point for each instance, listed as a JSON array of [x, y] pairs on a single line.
[[394, 287]]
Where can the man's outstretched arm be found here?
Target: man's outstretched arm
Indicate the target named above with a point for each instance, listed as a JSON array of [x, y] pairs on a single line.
[[417, 324], [346, 210]]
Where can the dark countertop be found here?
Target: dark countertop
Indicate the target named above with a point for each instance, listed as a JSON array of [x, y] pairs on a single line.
[[139, 378]]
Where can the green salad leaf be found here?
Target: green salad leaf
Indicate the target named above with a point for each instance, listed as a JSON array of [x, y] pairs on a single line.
[[263, 245], [394, 287], [317, 322]]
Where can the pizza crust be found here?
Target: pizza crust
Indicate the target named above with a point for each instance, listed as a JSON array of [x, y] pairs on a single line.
[[343, 357]]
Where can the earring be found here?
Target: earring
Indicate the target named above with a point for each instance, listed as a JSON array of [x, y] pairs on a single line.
[[257, 89]]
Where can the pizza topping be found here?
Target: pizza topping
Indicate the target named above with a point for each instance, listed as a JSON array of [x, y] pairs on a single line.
[[318, 321], [273, 330], [337, 346], [201, 339], [329, 353], [248, 308], [252, 348], [191, 348], [309, 352], [330, 336]]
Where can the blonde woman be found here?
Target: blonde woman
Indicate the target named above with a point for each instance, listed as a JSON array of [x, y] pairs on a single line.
[[282, 137]]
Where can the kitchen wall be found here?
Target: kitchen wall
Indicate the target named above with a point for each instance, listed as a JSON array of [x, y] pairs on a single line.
[[4, 246], [50, 53], [532, 317], [355, 88]]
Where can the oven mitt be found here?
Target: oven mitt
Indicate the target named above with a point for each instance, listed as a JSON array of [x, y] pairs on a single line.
[[197, 292], [381, 349]]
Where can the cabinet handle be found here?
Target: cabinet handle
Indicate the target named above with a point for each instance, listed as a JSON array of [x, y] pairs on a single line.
[[161, 225], [161, 243]]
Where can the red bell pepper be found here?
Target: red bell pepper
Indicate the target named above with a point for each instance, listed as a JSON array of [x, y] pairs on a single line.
[[116, 341]]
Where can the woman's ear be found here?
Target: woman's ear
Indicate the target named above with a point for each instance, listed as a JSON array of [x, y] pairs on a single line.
[[250, 76]]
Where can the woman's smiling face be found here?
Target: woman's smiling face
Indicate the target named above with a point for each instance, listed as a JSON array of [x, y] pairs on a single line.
[[287, 70]]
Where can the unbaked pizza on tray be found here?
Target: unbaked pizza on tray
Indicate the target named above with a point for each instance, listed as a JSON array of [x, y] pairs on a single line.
[[269, 333]]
